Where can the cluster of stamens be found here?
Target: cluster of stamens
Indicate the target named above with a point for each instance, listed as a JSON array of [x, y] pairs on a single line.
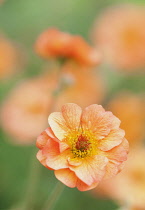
[[82, 144]]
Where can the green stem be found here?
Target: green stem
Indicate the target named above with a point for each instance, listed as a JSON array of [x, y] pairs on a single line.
[[54, 196], [30, 190], [33, 177]]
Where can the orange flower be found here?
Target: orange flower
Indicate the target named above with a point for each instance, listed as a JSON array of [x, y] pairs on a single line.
[[9, 58], [82, 147], [120, 35], [24, 112], [129, 108], [53, 43], [128, 188]]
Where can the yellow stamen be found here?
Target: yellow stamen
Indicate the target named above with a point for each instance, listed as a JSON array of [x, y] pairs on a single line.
[[82, 143]]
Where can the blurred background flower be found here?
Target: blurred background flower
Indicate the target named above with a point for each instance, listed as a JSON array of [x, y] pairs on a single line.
[[53, 43], [47, 59], [82, 81], [120, 35], [130, 109], [10, 62], [24, 112]]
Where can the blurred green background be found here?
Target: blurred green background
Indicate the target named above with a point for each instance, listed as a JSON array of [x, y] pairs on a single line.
[[22, 21]]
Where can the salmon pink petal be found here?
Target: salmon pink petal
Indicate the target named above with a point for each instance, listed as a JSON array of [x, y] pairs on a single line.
[[42, 159], [51, 146], [90, 114], [115, 122], [67, 177], [57, 162], [94, 119], [74, 161], [84, 187], [58, 125], [63, 146], [55, 159], [113, 139], [118, 153], [43, 138], [106, 123], [125, 144], [65, 122], [72, 114], [50, 133], [112, 169], [91, 170], [121, 166]]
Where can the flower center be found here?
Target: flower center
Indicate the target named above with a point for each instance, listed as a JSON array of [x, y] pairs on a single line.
[[82, 144]]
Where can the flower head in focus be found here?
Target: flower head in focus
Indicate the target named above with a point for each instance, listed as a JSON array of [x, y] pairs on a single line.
[[82, 147], [120, 35], [53, 43]]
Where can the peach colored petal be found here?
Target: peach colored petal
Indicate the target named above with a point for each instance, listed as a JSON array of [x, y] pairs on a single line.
[[116, 157], [91, 117], [113, 122], [63, 146], [55, 159], [72, 114], [42, 159], [119, 153], [98, 121], [68, 120], [113, 139], [121, 166], [43, 138], [91, 170], [74, 161], [67, 177], [58, 125], [84, 187], [112, 168], [125, 144], [50, 133]]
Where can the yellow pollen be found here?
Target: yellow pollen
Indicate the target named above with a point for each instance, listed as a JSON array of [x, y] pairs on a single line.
[[82, 144]]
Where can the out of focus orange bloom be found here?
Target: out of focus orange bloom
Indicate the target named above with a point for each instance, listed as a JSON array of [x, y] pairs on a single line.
[[9, 58], [128, 188], [120, 35], [130, 109], [85, 87], [53, 43], [24, 112], [82, 146]]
